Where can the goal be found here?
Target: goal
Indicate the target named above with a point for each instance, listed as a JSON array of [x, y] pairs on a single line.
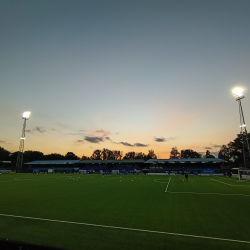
[[243, 174]]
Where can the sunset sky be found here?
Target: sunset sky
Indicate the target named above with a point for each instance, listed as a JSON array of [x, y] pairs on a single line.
[[129, 75]]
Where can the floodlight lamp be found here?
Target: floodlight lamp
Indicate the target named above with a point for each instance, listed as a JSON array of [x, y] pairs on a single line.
[[26, 114], [238, 93], [22, 138], [243, 125]]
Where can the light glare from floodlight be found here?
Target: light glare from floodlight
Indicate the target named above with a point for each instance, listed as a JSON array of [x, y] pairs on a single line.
[[238, 92], [26, 114], [243, 125], [22, 138]]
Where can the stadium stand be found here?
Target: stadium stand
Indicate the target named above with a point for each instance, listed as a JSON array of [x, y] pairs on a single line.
[[5, 167], [204, 166], [198, 165], [59, 166]]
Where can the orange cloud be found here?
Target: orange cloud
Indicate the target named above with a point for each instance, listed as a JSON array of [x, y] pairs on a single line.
[[104, 133]]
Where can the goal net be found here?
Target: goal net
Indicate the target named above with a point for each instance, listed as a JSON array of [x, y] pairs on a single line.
[[243, 174]]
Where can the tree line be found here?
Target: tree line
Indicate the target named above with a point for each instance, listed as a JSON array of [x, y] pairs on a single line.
[[107, 154], [233, 152], [30, 155], [188, 154]]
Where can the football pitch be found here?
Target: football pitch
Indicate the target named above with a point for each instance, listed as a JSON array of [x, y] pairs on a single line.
[[125, 212]]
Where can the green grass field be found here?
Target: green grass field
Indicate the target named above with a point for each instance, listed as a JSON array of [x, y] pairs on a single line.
[[96, 212]]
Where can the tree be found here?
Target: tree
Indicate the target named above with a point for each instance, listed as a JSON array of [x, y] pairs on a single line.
[[174, 153], [110, 155], [233, 152], [140, 155], [208, 155], [107, 154], [13, 159], [84, 158], [71, 156], [117, 154], [189, 153], [4, 154], [53, 156], [30, 155], [129, 156], [224, 153], [151, 154], [96, 155]]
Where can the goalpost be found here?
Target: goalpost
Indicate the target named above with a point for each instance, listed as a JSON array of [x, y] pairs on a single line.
[[243, 174]]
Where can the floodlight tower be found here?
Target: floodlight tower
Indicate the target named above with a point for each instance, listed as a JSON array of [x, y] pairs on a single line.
[[245, 144], [19, 161]]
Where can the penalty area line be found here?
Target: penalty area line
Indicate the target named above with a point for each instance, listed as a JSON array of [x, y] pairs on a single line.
[[222, 182], [206, 193], [168, 184], [230, 184], [125, 228]]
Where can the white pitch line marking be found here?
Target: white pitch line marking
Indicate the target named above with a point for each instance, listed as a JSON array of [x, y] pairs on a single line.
[[226, 178], [222, 182], [230, 184], [168, 184], [206, 193], [158, 180], [126, 228], [236, 179], [17, 179]]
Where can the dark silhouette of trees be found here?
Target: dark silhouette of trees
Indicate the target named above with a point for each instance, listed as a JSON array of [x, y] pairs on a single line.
[[208, 155], [133, 155], [53, 156], [140, 155], [107, 154], [174, 153], [189, 153], [71, 156], [129, 156], [13, 159], [151, 154], [233, 151], [117, 154], [224, 153], [96, 155], [84, 158], [4, 155], [30, 155]]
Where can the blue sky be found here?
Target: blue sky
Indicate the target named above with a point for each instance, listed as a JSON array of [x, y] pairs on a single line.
[[131, 71]]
